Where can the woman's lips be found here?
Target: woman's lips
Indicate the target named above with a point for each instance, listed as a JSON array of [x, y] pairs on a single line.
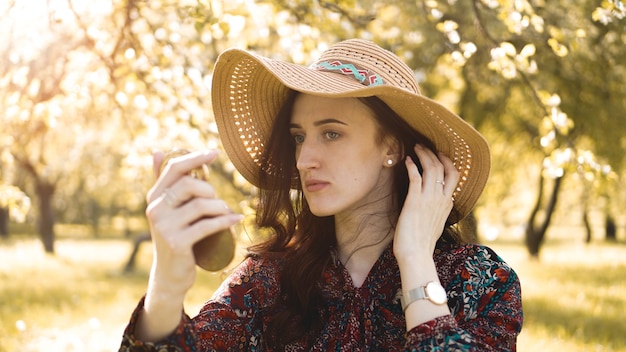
[[315, 185]]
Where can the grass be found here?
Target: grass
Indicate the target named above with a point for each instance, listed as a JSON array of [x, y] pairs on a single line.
[[79, 300], [573, 298]]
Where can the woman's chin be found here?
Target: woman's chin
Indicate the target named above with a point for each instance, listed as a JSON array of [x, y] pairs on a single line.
[[321, 212]]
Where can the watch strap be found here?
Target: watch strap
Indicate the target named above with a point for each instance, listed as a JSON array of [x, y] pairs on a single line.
[[433, 291], [412, 296]]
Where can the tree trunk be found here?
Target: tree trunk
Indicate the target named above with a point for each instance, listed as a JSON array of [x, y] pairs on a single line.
[[4, 222], [587, 224], [45, 192], [130, 263], [535, 234], [610, 228]]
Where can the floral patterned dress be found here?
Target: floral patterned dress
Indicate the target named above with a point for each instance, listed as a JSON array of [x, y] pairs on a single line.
[[484, 297]]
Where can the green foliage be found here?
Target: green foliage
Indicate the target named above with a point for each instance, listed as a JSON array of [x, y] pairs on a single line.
[[90, 90], [15, 200]]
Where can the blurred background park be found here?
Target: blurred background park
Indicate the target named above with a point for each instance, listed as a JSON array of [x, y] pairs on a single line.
[[88, 89]]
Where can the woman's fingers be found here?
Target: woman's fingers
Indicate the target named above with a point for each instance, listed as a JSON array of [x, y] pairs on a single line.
[[439, 172], [157, 160], [180, 239], [415, 178], [185, 189], [428, 203], [172, 204], [451, 173], [212, 226], [433, 170], [201, 208], [176, 168], [183, 209]]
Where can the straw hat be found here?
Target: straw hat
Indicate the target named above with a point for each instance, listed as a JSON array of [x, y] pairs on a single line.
[[248, 91]]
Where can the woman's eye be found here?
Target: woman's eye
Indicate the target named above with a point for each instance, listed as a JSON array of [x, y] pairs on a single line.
[[331, 135], [298, 138]]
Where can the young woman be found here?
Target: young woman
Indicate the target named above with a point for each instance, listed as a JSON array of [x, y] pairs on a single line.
[[361, 180]]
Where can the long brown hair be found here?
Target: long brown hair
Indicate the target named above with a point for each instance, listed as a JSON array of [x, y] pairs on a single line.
[[304, 241]]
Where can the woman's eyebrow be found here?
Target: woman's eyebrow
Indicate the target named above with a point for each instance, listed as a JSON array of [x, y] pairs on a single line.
[[319, 123]]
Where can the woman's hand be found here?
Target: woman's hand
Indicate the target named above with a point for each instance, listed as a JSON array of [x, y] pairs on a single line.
[[181, 211], [427, 205], [421, 222]]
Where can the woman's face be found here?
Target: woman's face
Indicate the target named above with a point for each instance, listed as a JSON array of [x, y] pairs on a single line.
[[340, 155]]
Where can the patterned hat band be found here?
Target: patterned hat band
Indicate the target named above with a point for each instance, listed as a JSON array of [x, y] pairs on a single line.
[[365, 77]]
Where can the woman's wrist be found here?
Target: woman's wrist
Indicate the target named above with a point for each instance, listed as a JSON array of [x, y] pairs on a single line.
[[417, 270], [160, 316], [162, 312], [412, 258]]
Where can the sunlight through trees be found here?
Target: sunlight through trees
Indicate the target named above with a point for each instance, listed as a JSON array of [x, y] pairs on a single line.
[[90, 89]]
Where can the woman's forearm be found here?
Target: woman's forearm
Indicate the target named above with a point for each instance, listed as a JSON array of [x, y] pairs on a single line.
[[161, 314], [417, 271]]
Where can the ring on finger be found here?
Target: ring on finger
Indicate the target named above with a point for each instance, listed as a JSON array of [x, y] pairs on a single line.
[[443, 183], [169, 198]]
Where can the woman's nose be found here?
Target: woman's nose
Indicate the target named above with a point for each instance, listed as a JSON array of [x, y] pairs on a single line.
[[307, 155]]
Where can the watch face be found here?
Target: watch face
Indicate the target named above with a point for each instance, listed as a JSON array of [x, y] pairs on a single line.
[[436, 293]]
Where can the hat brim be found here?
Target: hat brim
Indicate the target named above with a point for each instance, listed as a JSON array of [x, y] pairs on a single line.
[[249, 90]]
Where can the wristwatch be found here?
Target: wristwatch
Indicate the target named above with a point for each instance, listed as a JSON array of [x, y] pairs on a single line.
[[433, 291]]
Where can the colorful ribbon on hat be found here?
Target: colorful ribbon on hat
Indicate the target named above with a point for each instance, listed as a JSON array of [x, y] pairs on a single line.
[[365, 77]]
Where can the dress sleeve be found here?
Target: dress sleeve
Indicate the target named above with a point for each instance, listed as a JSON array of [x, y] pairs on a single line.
[[485, 300], [232, 320], [182, 339]]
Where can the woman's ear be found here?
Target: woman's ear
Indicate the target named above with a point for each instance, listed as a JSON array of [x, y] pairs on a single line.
[[394, 152]]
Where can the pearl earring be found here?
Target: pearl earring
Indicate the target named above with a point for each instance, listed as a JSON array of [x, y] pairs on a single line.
[[389, 162]]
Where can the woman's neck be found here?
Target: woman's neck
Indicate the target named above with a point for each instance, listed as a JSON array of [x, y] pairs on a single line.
[[360, 242]]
